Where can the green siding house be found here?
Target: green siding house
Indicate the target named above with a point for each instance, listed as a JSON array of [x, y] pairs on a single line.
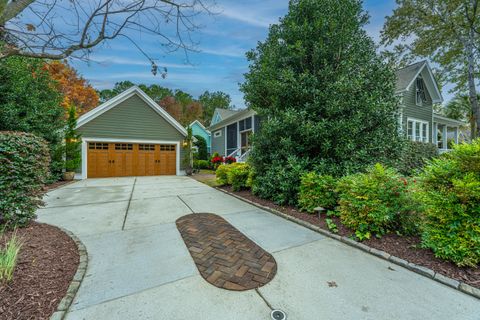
[[130, 135], [418, 91]]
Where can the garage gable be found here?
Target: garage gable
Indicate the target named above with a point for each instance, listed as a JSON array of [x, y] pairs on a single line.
[[130, 115]]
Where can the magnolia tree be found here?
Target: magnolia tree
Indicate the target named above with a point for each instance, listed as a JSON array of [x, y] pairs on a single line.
[[326, 99]]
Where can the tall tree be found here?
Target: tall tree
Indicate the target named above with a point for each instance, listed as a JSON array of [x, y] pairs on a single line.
[[448, 32], [460, 108], [212, 100], [119, 87], [60, 29], [30, 102], [326, 99], [76, 90]]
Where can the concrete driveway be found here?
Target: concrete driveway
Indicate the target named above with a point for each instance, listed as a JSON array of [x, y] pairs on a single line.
[[139, 267]]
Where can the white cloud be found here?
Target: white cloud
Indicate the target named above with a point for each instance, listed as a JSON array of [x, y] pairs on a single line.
[[234, 52], [257, 13], [107, 60]]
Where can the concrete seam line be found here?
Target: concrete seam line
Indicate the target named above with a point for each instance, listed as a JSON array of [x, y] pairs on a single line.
[[423, 271], [81, 204], [264, 299], [185, 204], [128, 205], [64, 304], [136, 292]]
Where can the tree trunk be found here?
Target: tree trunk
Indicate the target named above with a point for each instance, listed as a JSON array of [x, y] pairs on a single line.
[[471, 86]]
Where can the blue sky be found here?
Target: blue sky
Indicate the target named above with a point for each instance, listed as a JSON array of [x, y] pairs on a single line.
[[222, 43]]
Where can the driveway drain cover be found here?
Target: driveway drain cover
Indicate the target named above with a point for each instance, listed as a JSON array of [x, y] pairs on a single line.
[[278, 315]]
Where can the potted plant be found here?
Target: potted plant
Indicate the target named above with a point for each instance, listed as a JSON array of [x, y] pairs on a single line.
[[72, 146]]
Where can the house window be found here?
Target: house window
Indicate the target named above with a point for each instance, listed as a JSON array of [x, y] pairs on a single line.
[[217, 134], [417, 130], [420, 96], [245, 124]]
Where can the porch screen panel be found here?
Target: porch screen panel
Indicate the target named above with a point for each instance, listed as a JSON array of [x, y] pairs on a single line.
[[232, 143]]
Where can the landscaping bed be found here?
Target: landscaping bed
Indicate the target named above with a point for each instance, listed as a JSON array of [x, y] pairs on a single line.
[[46, 264], [404, 247]]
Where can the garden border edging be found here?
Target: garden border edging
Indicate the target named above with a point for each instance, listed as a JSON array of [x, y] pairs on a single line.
[[77, 279], [426, 272]]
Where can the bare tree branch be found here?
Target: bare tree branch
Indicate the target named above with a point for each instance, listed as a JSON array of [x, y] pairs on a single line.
[[72, 28]]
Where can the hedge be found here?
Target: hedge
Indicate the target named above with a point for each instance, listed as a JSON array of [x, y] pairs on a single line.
[[450, 191], [24, 168], [415, 156]]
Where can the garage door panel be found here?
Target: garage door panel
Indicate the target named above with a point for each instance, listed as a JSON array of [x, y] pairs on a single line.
[[124, 159]]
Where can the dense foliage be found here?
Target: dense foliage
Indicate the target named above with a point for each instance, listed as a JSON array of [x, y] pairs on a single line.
[[325, 97], [202, 164], [414, 157], [237, 176], [450, 192], [29, 102], [24, 168], [75, 89], [234, 174], [201, 144], [73, 143], [376, 202], [317, 190]]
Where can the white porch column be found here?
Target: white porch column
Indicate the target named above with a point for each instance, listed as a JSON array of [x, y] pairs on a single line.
[[444, 136], [434, 133], [455, 135]]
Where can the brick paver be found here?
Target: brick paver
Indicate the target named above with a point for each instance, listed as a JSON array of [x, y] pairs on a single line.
[[224, 256]]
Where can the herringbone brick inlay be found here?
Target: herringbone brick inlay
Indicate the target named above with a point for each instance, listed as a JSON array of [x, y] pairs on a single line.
[[224, 256]]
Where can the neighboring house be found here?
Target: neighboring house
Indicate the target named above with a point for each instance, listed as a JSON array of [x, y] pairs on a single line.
[[418, 90], [221, 114], [130, 135], [231, 135], [198, 129]]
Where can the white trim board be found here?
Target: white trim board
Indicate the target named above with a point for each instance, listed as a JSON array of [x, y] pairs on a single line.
[[101, 109], [86, 140]]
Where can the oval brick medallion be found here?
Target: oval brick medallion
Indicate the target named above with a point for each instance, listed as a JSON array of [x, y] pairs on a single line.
[[224, 256]]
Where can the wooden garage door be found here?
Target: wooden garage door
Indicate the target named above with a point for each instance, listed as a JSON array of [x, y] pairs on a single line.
[[129, 159]]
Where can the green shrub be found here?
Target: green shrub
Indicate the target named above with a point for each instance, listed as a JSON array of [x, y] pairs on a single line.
[[237, 176], [317, 190], [24, 168], [201, 144], [281, 181], [450, 191], [376, 202], [201, 164], [8, 258], [414, 157], [222, 174]]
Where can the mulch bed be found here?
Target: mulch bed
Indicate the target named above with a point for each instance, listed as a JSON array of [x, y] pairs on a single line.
[[225, 257], [47, 262], [404, 247], [56, 184]]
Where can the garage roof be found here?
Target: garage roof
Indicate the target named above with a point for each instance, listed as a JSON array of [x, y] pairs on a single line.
[[112, 103]]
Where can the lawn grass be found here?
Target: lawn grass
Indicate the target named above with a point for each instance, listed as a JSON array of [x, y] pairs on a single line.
[[208, 177]]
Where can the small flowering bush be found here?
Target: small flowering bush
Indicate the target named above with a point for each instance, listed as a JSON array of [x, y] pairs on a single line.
[[216, 161], [317, 190], [229, 160], [376, 202]]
